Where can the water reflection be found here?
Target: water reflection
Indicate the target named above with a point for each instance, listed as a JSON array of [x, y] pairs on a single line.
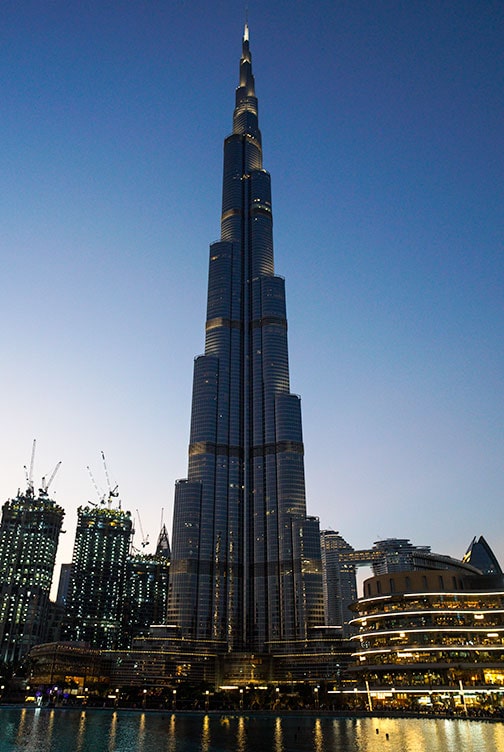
[[81, 732], [22, 724], [172, 739], [52, 717], [112, 733], [241, 738], [141, 732], [30, 730], [205, 735], [318, 736], [278, 735]]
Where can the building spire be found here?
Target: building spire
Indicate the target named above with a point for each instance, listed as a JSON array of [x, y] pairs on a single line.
[[245, 114]]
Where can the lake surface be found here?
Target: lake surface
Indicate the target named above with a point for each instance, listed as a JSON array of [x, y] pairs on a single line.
[[42, 730]]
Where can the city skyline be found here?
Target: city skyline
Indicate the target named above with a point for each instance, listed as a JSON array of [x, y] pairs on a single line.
[[382, 133]]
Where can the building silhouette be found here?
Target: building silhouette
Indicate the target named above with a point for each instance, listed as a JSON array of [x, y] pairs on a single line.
[[94, 605], [29, 533], [246, 562]]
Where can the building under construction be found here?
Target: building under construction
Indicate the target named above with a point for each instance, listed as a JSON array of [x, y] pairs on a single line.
[[29, 533]]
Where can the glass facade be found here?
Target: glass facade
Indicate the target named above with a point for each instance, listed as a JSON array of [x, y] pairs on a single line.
[[246, 563]]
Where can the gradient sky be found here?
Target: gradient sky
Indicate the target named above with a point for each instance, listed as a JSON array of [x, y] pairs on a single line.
[[383, 130]]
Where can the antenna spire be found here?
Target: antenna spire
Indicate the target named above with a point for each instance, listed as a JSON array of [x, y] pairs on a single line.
[[246, 29]]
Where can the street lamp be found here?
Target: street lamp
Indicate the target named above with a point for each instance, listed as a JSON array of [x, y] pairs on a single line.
[[241, 698], [207, 695], [316, 689], [144, 701], [174, 700]]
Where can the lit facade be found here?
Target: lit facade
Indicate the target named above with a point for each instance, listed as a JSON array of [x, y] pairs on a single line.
[[246, 563], [145, 593], [431, 636], [29, 533], [95, 596]]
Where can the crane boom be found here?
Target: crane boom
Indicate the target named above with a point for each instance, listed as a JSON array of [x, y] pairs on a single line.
[[145, 538], [52, 476], [98, 492]]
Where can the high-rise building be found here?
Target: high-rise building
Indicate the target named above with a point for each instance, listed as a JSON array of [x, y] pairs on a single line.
[[146, 588], [340, 580], [246, 563], [94, 604], [29, 533]]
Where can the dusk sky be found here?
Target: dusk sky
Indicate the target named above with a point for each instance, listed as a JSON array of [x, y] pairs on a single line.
[[383, 130]]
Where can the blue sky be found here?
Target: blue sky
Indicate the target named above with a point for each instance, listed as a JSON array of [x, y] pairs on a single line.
[[383, 131]]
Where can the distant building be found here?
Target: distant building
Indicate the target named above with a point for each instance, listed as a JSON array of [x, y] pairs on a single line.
[[64, 584], [146, 589], [97, 585], [480, 555], [395, 555], [340, 561], [339, 578], [29, 533]]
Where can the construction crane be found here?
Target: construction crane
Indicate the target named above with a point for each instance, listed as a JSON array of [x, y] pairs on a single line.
[[112, 492], [145, 538], [29, 475], [100, 495], [45, 486]]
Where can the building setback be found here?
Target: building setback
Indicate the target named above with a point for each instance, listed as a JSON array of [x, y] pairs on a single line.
[[29, 533], [246, 562]]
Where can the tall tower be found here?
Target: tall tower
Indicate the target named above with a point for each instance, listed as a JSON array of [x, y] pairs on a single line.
[[94, 608], [29, 533], [340, 581], [246, 566], [146, 588]]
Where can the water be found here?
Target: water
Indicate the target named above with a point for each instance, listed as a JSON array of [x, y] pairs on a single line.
[[41, 730]]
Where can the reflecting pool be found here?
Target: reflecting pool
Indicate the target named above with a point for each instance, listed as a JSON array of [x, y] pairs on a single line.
[[60, 730]]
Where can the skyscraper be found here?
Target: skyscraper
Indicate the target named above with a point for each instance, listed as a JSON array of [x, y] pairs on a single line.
[[340, 581], [146, 588], [246, 567], [29, 533], [94, 607]]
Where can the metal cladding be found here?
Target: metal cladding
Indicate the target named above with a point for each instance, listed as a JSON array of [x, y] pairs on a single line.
[[246, 559]]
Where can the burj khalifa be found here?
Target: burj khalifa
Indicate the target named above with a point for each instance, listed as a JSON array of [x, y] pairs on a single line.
[[246, 569]]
